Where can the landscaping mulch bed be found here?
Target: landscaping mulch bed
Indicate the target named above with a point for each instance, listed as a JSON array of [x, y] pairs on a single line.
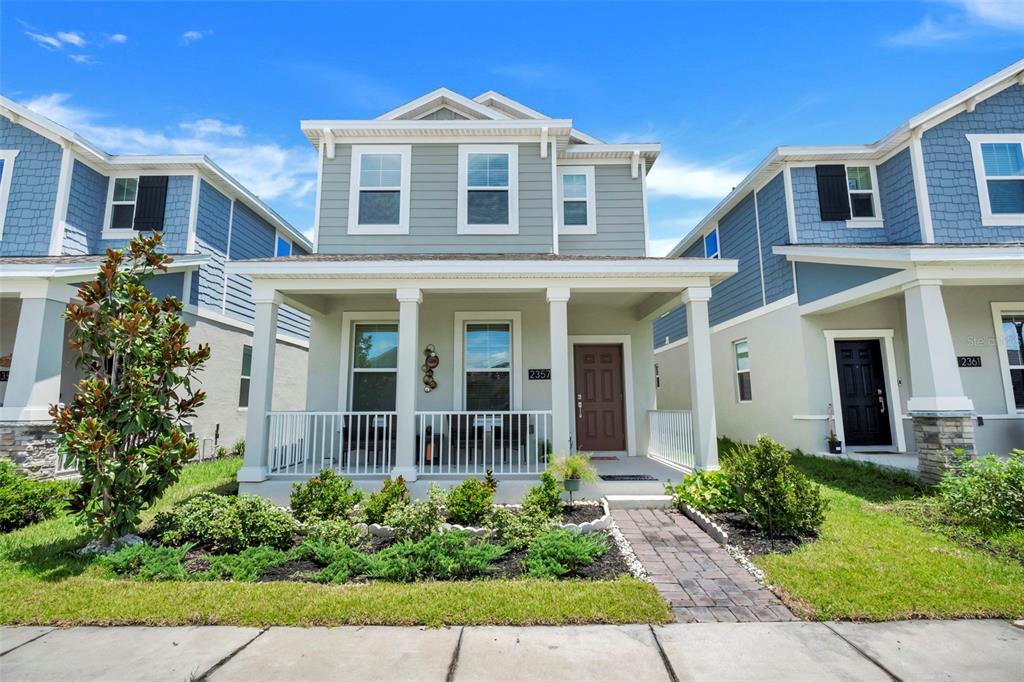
[[581, 513], [748, 537], [609, 566], [294, 571]]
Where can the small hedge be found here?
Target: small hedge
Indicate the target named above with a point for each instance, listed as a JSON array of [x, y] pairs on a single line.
[[392, 494], [226, 524], [469, 502], [988, 493], [561, 553], [325, 496], [707, 491], [24, 501]]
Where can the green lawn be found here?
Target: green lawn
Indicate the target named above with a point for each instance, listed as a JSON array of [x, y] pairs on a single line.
[[874, 561], [42, 581]]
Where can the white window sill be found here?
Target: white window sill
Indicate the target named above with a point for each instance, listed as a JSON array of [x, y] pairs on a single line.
[[488, 229], [117, 234], [1002, 219], [862, 223], [378, 229], [243, 409]]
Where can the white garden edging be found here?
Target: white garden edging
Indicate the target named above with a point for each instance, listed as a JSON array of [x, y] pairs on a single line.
[[706, 524]]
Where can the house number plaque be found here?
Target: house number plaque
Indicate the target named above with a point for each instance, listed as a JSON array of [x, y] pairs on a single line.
[[968, 360], [538, 374]]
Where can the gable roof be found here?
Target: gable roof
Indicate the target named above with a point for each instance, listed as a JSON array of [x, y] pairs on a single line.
[[93, 155], [442, 98], [770, 165]]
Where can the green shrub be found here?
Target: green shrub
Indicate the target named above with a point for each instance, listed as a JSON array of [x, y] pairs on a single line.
[[517, 531], [545, 498], [344, 564], [226, 524], [559, 553], [441, 556], [573, 467], [490, 481], [325, 496], [144, 562], [246, 566], [780, 499], [708, 491], [24, 501], [333, 531], [238, 448], [469, 502], [988, 493], [392, 493], [420, 518]]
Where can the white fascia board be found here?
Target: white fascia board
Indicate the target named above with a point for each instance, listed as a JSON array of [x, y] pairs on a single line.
[[649, 151], [508, 103], [52, 130], [441, 97], [346, 128], [980, 89], [584, 137], [904, 257], [716, 269], [63, 271]]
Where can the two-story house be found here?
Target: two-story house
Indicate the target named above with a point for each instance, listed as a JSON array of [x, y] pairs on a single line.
[[480, 297], [63, 202], [880, 292]]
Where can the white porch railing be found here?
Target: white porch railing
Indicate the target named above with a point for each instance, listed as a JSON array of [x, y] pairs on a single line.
[[671, 436], [461, 443], [349, 443]]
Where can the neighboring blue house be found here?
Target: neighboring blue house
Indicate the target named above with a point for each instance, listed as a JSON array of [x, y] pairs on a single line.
[[880, 292], [63, 202]]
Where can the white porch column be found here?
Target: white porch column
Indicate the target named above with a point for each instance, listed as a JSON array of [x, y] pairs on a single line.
[[408, 385], [702, 388], [323, 363], [561, 412], [934, 375], [34, 380], [261, 386]]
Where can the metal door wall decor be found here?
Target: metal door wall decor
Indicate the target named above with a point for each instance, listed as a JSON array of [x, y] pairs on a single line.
[[430, 363]]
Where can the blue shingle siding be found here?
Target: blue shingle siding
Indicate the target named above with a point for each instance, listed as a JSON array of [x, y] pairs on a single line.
[[176, 219], [214, 213], [251, 237], [168, 284], [899, 203], [949, 169], [33, 194], [737, 239], [208, 280], [818, 280], [811, 229], [87, 203], [774, 227]]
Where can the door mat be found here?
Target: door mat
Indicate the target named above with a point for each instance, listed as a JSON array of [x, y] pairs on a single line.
[[627, 477], [604, 458]]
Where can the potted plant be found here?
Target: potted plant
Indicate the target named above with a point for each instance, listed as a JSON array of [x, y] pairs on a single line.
[[573, 470], [835, 446]]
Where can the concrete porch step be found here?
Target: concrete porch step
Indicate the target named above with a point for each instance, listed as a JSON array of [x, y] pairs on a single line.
[[639, 501]]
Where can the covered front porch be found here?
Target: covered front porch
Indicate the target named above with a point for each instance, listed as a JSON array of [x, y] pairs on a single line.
[[439, 368]]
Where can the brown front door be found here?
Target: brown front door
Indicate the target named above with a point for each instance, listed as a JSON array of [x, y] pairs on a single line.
[[600, 413]]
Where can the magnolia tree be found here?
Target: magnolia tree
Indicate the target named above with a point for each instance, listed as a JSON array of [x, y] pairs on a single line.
[[124, 428]]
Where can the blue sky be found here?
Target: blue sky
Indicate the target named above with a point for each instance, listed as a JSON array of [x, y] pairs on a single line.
[[718, 84]]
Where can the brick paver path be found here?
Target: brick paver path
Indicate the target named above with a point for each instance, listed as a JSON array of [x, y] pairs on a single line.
[[693, 572]]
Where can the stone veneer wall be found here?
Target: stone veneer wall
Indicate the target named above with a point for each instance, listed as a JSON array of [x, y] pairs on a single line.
[[32, 448], [937, 437]]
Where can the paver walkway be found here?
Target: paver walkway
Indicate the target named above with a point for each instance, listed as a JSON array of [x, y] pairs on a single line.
[[694, 573]]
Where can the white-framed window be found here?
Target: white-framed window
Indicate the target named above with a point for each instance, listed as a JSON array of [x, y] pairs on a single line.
[[379, 189], [374, 366], [7, 157], [122, 203], [578, 207], [711, 246], [999, 173], [862, 187], [487, 365], [488, 201], [283, 247], [741, 353], [246, 375], [1009, 328]]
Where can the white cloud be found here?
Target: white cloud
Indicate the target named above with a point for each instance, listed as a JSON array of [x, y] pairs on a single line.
[[687, 180], [661, 247], [118, 38], [45, 40], [82, 58], [999, 13], [211, 126], [189, 37], [268, 169], [968, 19], [927, 33], [71, 38]]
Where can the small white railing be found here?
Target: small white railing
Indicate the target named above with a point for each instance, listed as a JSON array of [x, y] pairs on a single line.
[[461, 443], [350, 443], [671, 436]]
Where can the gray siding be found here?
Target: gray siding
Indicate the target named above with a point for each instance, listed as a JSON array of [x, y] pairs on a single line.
[[620, 217], [433, 209], [818, 280]]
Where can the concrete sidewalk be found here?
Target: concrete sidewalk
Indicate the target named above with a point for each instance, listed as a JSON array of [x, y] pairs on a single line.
[[989, 650]]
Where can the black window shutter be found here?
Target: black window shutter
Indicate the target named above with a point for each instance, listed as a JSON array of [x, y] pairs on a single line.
[[150, 202], [833, 196]]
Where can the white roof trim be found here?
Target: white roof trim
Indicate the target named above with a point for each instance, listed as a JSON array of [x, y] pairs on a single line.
[[649, 151], [900, 256], [717, 269], [438, 98], [491, 98], [69, 270], [220, 178], [878, 150]]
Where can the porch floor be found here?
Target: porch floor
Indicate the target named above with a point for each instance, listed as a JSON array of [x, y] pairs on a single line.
[[511, 488]]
